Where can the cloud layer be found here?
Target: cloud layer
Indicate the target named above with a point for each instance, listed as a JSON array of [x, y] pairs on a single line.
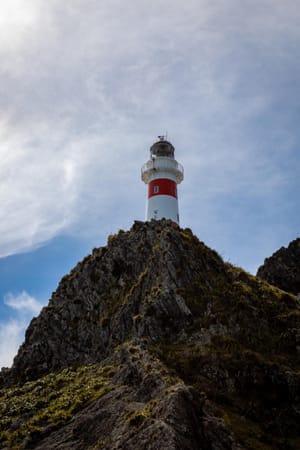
[[85, 86], [22, 307]]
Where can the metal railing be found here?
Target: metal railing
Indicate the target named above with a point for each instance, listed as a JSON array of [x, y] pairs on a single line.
[[163, 164]]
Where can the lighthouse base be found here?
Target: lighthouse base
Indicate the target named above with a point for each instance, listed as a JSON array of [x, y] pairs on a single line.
[[162, 207]]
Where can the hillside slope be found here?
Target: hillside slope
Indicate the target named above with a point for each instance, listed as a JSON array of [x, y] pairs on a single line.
[[153, 342], [282, 269]]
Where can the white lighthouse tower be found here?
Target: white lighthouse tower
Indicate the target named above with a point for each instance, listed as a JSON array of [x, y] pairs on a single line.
[[162, 173]]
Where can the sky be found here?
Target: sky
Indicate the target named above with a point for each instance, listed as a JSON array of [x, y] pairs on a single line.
[[85, 89]]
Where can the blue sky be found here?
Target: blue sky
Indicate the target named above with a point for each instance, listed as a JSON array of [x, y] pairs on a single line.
[[86, 87]]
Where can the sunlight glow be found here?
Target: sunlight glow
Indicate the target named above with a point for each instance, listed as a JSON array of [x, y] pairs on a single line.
[[16, 18]]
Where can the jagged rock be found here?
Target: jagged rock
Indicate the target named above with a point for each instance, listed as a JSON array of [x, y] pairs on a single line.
[[143, 410], [153, 342], [282, 269], [129, 288]]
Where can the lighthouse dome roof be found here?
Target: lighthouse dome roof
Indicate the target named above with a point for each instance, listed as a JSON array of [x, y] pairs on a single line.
[[162, 148]]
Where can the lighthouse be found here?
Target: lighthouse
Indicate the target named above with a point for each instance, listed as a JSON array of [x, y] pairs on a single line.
[[162, 173]]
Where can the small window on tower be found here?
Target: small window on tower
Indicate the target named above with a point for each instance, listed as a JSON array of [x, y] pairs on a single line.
[[156, 189]]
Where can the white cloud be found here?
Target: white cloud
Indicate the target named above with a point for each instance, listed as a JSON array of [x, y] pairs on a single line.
[[87, 85], [11, 336], [22, 302], [12, 329]]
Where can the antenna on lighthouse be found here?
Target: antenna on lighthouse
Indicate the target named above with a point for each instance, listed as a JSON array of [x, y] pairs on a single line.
[[162, 179]]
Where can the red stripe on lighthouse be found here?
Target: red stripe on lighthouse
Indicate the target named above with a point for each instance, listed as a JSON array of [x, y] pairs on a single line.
[[162, 186]]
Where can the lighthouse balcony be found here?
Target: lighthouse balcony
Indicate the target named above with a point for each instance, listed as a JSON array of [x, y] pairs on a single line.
[[164, 165]]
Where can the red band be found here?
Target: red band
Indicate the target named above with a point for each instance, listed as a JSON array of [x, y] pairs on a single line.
[[162, 186]]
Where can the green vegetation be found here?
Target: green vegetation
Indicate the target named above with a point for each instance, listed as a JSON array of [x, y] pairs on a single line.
[[220, 297], [36, 408], [137, 417], [250, 433], [242, 386]]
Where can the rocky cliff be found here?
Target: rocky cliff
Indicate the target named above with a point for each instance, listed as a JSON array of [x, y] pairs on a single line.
[[153, 342], [282, 269]]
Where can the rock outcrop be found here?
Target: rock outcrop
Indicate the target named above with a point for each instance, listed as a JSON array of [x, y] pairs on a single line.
[[153, 342], [282, 269]]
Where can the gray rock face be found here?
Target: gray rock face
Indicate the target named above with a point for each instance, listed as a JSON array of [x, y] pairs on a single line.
[[129, 288], [143, 411], [282, 269], [203, 355]]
